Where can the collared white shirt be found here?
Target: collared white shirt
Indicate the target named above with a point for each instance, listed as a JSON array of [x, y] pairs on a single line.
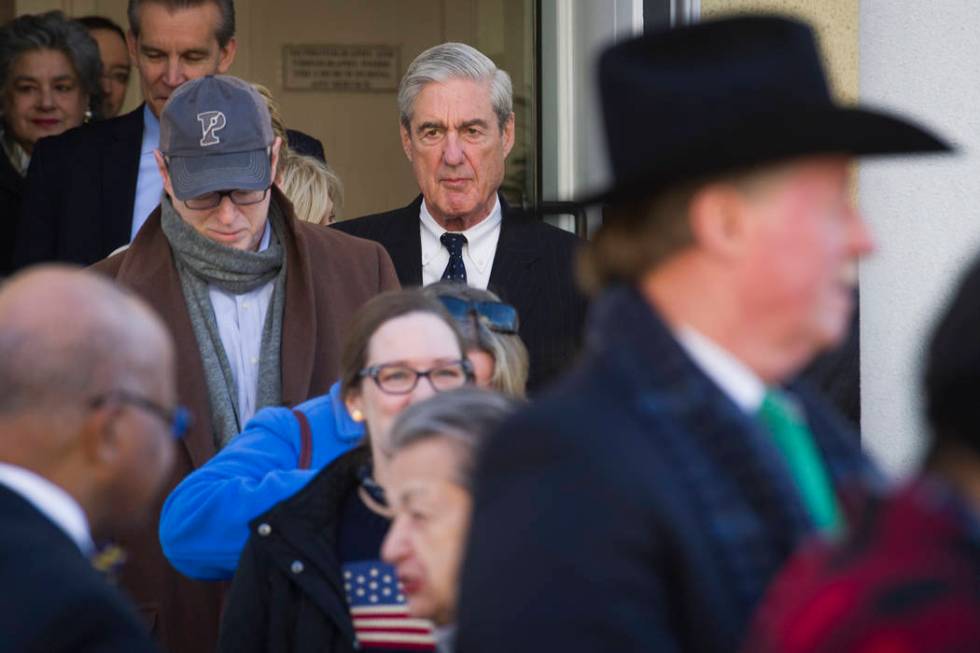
[[149, 183], [51, 501], [478, 252], [741, 384], [241, 321]]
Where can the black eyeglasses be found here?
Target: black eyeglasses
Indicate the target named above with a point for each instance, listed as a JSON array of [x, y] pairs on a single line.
[[399, 379], [177, 418], [498, 316], [213, 199]]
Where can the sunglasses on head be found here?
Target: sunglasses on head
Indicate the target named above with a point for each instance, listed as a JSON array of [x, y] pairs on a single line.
[[498, 316]]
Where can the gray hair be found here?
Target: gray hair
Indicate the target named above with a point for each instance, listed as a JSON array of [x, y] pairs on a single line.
[[509, 353], [455, 61], [464, 418], [224, 33], [53, 31]]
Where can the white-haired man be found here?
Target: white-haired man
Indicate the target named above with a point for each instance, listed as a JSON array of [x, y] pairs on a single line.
[[457, 129]]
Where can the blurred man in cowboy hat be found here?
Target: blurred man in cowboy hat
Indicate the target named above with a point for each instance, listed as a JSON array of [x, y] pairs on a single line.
[[647, 502]]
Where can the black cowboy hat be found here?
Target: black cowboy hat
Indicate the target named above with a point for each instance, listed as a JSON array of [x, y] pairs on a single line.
[[725, 95]]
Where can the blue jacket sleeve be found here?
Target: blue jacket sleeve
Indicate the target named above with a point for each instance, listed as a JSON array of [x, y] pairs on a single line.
[[204, 522]]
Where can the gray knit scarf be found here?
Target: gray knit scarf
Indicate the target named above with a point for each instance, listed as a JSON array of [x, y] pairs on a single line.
[[201, 262]]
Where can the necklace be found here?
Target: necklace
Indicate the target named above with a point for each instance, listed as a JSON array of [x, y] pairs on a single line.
[[369, 485]]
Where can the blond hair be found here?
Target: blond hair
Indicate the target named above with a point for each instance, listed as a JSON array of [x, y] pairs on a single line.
[[278, 125], [312, 187]]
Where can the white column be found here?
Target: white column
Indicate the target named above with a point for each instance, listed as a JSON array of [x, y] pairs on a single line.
[[574, 32], [922, 59]]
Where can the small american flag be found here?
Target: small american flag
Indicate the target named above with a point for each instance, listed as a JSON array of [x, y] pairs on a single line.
[[379, 611]]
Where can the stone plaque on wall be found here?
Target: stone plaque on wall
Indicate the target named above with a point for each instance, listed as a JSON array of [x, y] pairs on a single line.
[[342, 68]]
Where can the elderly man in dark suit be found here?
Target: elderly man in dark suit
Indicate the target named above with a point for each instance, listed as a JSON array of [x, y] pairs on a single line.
[[457, 128], [645, 504], [89, 190], [87, 426], [250, 294]]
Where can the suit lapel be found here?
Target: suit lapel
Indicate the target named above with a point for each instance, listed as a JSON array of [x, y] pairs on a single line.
[[728, 472], [299, 323], [10, 180], [404, 244], [149, 269], [512, 275], [120, 170]]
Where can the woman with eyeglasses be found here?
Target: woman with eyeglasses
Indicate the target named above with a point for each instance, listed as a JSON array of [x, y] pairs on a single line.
[[400, 347], [489, 328], [204, 522], [290, 592]]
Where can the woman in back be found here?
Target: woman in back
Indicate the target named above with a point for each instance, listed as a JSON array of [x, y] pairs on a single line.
[[50, 75]]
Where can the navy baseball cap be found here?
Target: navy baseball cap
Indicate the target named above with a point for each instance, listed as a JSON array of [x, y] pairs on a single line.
[[215, 132]]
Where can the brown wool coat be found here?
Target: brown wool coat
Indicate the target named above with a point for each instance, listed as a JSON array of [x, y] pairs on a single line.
[[329, 276]]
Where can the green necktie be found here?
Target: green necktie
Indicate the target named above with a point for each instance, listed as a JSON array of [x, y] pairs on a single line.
[[795, 441]]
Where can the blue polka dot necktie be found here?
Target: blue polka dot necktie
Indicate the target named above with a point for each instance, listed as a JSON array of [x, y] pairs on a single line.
[[455, 270]]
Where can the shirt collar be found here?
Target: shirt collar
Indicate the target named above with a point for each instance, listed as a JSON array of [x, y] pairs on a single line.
[[151, 131], [51, 500], [266, 237], [17, 155], [480, 244], [734, 378]]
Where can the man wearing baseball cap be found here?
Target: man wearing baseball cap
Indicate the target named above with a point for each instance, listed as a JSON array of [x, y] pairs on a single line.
[[255, 299], [645, 504]]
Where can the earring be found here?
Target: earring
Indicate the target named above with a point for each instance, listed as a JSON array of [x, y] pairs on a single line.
[[357, 415]]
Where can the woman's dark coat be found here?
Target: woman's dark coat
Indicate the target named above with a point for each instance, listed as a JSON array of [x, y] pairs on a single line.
[[11, 192], [288, 593]]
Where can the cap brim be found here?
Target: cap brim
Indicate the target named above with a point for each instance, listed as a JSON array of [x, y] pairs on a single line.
[[774, 138], [195, 176]]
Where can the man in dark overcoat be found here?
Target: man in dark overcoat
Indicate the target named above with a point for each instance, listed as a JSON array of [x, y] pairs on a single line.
[[257, 302], [646, 502]]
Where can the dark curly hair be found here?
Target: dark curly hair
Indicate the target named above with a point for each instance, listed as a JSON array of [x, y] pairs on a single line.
[[53, 31]]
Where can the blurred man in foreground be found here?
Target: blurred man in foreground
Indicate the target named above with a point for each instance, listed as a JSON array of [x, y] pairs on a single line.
[[647, 502], [906, 579], [87, 420]]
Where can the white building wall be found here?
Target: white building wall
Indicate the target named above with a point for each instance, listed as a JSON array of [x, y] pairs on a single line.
[[923, 59]]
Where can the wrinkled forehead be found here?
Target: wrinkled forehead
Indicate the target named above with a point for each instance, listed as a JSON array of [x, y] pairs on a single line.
[[179, 29], [453, 101]]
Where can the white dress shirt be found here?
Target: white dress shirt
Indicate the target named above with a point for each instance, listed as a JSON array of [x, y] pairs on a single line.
[[149, 183], [732, 376], [478, 252], [241, 320], [51, 501]]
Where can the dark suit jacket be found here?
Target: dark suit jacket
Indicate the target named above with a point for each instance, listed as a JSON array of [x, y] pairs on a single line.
[[185, 613], [53, 601], [533, 269], [81, 187], [635, 507], [11, 191]]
